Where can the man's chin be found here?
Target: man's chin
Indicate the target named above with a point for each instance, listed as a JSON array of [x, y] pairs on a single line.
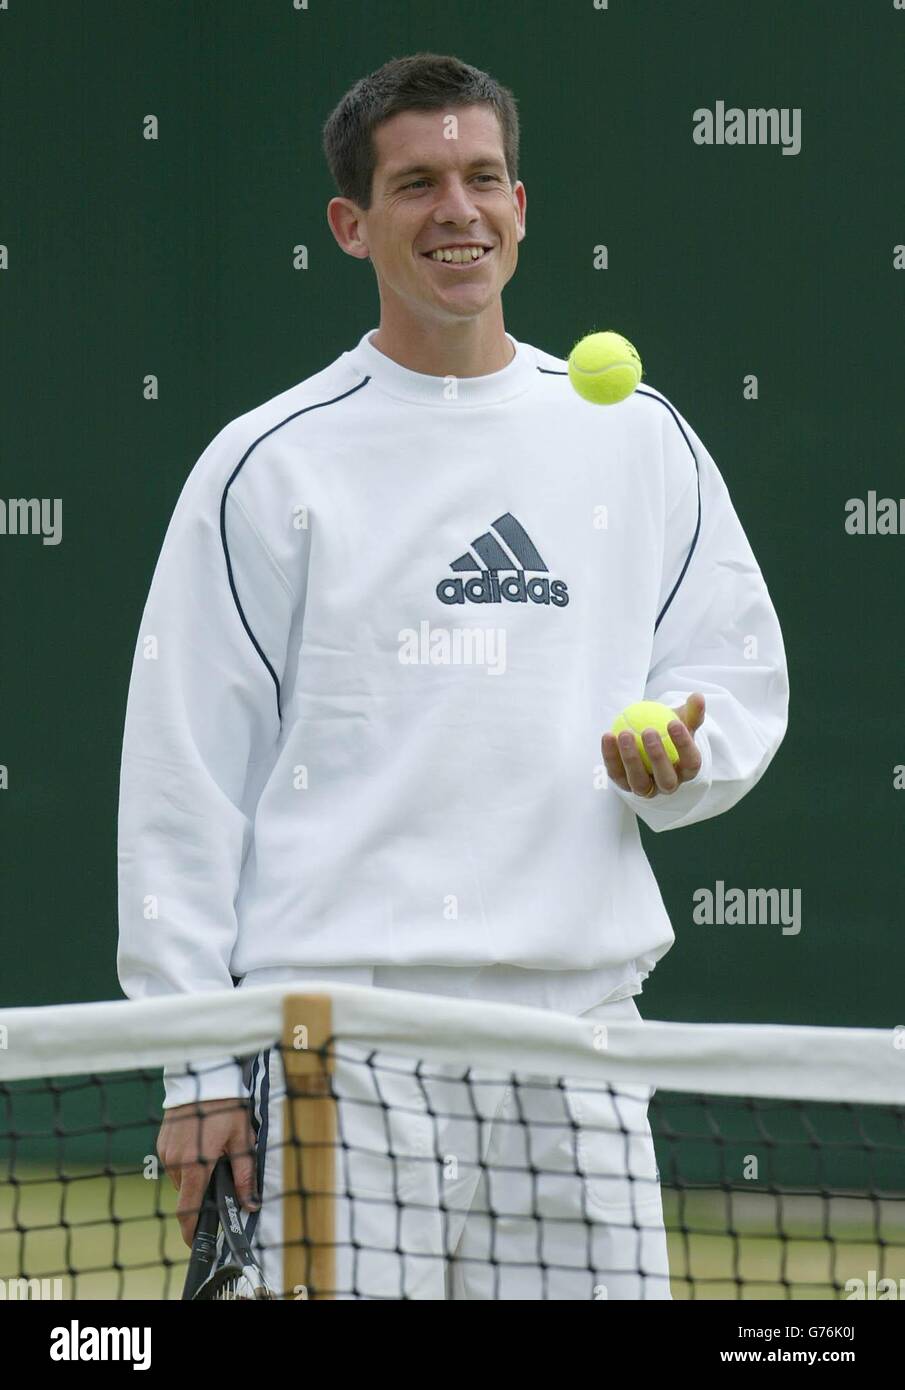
[[464, 305]]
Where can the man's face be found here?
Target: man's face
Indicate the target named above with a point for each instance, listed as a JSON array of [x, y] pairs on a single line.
[[431, 192]]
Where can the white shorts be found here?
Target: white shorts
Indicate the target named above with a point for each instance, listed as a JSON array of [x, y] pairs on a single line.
[[477, 1190]]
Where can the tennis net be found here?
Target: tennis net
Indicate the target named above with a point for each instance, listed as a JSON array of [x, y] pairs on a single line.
[[412, 1147]]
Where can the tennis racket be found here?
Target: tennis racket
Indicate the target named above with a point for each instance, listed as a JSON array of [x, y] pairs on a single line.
[[241, 1277]]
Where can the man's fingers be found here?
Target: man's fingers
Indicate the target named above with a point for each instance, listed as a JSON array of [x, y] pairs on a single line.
[[625, 767], [245, 1174], [623, 763], [693, 711], [638, 779], [181, 1141], [612, 760], [192, 1187], [664, 773], [192, 1138], [170, 1167], [689, 763]]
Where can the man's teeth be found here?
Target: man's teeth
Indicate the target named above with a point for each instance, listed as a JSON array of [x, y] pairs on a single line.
[[459, 254]]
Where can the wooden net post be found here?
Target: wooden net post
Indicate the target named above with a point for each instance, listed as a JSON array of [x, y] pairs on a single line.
[[309, 1163]]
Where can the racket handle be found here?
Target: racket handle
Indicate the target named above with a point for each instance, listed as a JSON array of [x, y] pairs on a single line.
[[204, 1245]]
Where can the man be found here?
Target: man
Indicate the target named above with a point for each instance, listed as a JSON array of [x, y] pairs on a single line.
[[387, 629]]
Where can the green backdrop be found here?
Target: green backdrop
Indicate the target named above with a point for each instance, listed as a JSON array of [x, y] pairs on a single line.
[[174, 257]]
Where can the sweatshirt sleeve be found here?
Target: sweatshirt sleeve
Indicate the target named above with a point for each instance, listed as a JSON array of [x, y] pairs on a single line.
[[201, 726], [716, 632]]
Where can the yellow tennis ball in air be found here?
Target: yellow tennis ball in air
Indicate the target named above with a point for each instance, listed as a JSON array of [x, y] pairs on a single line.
[[648, 714], [604, 368]]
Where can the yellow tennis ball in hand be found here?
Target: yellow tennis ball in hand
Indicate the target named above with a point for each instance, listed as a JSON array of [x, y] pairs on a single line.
[[648, 714], [604, 368]]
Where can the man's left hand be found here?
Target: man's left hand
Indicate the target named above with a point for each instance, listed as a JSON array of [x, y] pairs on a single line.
[[623, 760]]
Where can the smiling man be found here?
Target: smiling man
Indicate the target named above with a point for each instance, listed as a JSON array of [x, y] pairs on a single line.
[[330, 774], [442, 231]]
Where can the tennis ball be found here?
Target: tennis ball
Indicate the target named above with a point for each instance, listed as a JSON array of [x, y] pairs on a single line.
[[648, 714], [604, 368]]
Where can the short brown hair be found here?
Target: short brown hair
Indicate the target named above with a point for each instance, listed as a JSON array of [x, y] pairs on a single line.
[[420, 82]]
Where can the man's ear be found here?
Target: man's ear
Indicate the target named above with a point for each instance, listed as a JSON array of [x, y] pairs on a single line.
[[521, 203], [346, 221]]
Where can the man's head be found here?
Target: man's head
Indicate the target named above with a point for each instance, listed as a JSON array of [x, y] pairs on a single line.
[[424, 153]]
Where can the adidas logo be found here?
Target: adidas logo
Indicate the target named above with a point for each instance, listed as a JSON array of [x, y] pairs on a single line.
[[506, 545]]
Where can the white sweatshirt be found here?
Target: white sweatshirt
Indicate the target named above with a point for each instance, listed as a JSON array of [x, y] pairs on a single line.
[[391, 619]]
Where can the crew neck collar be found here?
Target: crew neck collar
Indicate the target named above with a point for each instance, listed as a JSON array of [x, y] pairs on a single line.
[[422, 389]]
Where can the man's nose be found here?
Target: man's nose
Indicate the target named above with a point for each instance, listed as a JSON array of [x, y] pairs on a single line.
[[456, 203]]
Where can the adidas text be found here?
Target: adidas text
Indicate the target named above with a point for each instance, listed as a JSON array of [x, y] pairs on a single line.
[[490, 588]]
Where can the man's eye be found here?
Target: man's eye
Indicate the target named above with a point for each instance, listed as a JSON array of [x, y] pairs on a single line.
[[416, 182]]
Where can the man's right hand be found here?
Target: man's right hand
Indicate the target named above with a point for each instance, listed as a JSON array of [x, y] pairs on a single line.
[[192, 1138]]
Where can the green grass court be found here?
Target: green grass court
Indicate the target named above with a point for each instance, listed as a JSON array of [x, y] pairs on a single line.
[[94, 1224]]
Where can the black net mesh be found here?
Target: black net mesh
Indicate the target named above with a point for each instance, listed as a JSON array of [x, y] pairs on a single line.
[[390, 1178]]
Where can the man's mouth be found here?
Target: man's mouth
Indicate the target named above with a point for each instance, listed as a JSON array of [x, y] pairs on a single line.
[[459, 257]]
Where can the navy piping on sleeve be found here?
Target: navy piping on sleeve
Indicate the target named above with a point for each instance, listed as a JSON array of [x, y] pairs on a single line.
[[318, 405], [697, 530], [648, 396]]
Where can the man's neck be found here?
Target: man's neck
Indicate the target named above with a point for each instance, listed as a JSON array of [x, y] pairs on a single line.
[[466, 350]]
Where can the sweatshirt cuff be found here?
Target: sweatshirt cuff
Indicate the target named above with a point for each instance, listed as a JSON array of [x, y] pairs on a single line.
[[219, 1079], [667, 812]]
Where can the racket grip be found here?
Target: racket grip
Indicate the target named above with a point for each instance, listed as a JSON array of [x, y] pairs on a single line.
[[204, 1246]]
